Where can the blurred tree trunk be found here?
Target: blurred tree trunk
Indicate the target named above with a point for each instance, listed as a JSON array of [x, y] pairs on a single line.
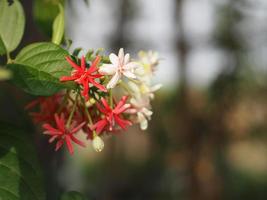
[[193, 125]]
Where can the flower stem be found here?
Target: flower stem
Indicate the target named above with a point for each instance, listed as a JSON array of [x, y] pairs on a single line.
[[72, 111], [64, 102], [87, 113], [88, 117]]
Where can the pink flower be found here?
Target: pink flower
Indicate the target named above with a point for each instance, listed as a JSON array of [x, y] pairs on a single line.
[[63, 134], [84, 76], [47, 107], [112, 116]]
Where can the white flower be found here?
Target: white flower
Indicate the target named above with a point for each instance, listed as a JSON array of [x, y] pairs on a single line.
[[98, 144], [120, 66], [149, 60], [141, 109], [142, 89]]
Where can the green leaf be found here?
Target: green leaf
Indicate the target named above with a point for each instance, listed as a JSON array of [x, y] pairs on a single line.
[[72, 196], [44, 13], [12, 23], [58, 26], [20, 174], [38, 68], [2, 47]]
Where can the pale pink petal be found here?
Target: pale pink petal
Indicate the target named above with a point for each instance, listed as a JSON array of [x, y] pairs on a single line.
[[112, 83], [108, 69], [155, 87], [121, 55], [147, 112], [142, 120], [126, 58], [129, 74], [131, 66], [114, 59]]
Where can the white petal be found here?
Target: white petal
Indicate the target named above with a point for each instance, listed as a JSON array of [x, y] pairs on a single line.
[[108, 69], [155, 87], [129, 74], [126, 58], [147, 112], [121, 54], [114, 59], [131, 65], [112, 83], [142, 120]]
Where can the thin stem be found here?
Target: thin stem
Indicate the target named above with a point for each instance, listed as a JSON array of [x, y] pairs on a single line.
[[64, 102], [87, 113], [72, 111], [89, 117]]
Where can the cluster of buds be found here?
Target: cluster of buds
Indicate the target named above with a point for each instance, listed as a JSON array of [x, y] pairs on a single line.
[[111, 94]]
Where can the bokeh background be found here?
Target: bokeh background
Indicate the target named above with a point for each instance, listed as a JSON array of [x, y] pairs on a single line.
[[208, 135]]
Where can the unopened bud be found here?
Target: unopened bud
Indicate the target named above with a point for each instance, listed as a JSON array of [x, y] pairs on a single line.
[[98, 144]]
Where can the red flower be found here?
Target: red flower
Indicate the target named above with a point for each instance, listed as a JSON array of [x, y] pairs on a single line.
[[84, 76], [47, 107], [63, 134], [112, 116]]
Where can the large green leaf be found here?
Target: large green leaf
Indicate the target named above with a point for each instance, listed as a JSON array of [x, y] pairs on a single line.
[[72, 195], [20, 174], [38, 67], [59, 26], [12, 22]]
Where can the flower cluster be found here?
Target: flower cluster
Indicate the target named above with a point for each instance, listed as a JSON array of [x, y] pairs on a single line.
[[110, 94]]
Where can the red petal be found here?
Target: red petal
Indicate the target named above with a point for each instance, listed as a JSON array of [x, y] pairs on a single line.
[[74, 139], [100, 125], [51, 129], [101, 109], [93, 68], [121, 122], [59, 144], [73, 64], [68, 78], [99, 86], [105, 103], [83, 64], [69, 145], [74, 130], [121, 102]]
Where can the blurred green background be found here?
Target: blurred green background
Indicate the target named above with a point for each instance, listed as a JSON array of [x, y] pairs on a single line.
[[208, 135]]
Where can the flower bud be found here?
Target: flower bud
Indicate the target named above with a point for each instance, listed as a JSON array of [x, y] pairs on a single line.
[[98, 144]]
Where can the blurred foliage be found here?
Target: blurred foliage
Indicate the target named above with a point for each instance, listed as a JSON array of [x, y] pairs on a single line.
[[44, 13]]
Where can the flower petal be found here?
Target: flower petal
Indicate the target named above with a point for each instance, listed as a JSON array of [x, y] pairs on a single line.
[[108, 69], [126, 59], [114, 59], [77, 141], [69, 145], [131, 66], [129, 74], [113, 82], [142, 120], [121, 55]]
